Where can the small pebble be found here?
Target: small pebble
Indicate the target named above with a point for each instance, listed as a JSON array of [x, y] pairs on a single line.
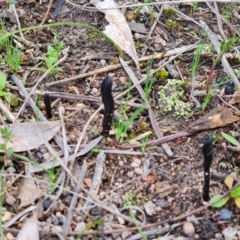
[[161, 203], [139, 171], [46, 156], [9, 236], [121, 163], [123, 80], [196, 236], [189, 229], [7, 216], [67, 200], [130, 174], [43, 150], [103, 62], [134, 165], [46, 203], [95, 211], [95, 92], [80, 227], [55, 220], [218, 236], [150, 208], [39, 155]]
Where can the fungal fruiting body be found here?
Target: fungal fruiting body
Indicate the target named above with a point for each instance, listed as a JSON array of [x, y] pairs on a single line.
[[208, 156], [107, 98], [47, 102]]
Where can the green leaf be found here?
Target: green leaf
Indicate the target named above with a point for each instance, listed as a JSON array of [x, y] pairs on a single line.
[[8, 96], [2, 93], [235, 192], [230, 139], [10, 152], [2, 146], [40, 69], [14, 101], [2, 80], [51, 49], [218, 201]]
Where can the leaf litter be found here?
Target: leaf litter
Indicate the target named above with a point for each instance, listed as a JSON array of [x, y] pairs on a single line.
[[161, 186]]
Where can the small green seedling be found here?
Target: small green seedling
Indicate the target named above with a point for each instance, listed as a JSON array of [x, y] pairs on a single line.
[[9, 97], [8, 152], [224, 48], [219, 201], [53, 55], [5, 95]]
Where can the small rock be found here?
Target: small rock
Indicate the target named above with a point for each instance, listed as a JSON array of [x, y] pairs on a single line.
[[9, 236], [46, 203], [95, 211], [129, 15], [121, 163], [94, 92], [134, 165], [218, 236], [80, 227], [139, 171], [81, 105], [161, 203], [103, 62], [43, 150], [67, 200], [196, 236], [150, 208], [123, 80], [55, 220], [7, 216], [225, 214], [39, 155], [189, 229], [46, 156], [130, 174], [138, 161]]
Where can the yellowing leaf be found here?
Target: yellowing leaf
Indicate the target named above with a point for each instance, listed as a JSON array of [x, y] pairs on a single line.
[[237, 201], [229, 181]]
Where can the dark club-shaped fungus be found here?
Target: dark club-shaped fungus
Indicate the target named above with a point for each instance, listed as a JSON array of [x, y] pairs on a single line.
[[47, 102], [107, 98], [208, 156]]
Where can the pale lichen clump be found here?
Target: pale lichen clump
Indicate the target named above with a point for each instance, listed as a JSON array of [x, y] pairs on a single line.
[[170, 99]]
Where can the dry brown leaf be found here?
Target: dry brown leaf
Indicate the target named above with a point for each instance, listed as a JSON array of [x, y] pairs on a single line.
[[218, 117], [28, 192], [26, 135], [118, 29]]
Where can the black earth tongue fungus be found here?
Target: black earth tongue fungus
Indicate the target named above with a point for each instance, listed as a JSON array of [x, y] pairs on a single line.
[[107, 98], [208, 156], [47, 102]]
